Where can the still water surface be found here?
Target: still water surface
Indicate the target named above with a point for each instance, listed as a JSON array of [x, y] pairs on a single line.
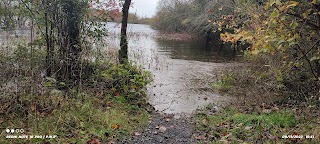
[[183, 70]]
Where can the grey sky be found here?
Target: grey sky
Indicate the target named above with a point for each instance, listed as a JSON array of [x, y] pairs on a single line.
[[144, 7]]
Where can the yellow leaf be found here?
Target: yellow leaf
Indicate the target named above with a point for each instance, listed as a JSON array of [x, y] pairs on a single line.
[[293, 4], [115, 126]]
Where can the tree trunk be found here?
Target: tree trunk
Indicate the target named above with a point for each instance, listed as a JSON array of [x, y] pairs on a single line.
[[123, 52], [70, 48], [49, 39]]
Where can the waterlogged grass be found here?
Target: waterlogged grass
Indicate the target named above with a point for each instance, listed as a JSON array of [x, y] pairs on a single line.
[[78, 121], [231, 126], [224, 83]]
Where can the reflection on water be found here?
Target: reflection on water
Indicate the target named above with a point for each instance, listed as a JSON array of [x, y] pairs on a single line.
[[182, 70], [196, 50]]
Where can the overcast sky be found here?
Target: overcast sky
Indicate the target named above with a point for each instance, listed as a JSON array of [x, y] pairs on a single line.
[[144, 7]]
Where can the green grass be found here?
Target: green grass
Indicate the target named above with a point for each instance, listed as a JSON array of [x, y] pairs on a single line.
[[77, 121], [229, 125], [224, 83], [278, 119]]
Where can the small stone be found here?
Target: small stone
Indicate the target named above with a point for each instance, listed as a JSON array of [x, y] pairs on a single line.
[[159, 139], [137, 133], [166, 136], [187, 134], [162, 129], [266, 111]]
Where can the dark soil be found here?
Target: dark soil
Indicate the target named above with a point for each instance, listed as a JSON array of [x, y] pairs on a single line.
[[165, 128]]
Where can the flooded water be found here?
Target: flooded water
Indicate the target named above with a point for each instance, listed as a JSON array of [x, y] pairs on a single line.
[[182, 70]]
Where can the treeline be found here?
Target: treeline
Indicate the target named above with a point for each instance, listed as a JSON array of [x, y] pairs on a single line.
[[284, 36], [192, 16], [115, 16]]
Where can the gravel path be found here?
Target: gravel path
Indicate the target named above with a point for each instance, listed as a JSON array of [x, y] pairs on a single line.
[[167, 129]]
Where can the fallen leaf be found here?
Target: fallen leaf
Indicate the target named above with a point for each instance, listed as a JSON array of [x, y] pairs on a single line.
[[115, 126], [205, 122], [110, 142], [200, 137], [240, 124], [227, 135], [248, 127], [117, 94], [94, 141]]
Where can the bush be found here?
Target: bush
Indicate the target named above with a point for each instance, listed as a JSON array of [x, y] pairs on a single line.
[[124, 81]]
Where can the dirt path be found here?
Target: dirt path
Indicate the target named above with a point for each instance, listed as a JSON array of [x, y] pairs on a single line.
[[165, 128]]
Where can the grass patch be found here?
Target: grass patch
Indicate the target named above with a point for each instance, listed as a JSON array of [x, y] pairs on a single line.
[[231, 126], [79, 120], [224, 83]]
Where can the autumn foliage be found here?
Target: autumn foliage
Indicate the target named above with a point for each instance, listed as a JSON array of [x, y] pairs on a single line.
[[285, 34]]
